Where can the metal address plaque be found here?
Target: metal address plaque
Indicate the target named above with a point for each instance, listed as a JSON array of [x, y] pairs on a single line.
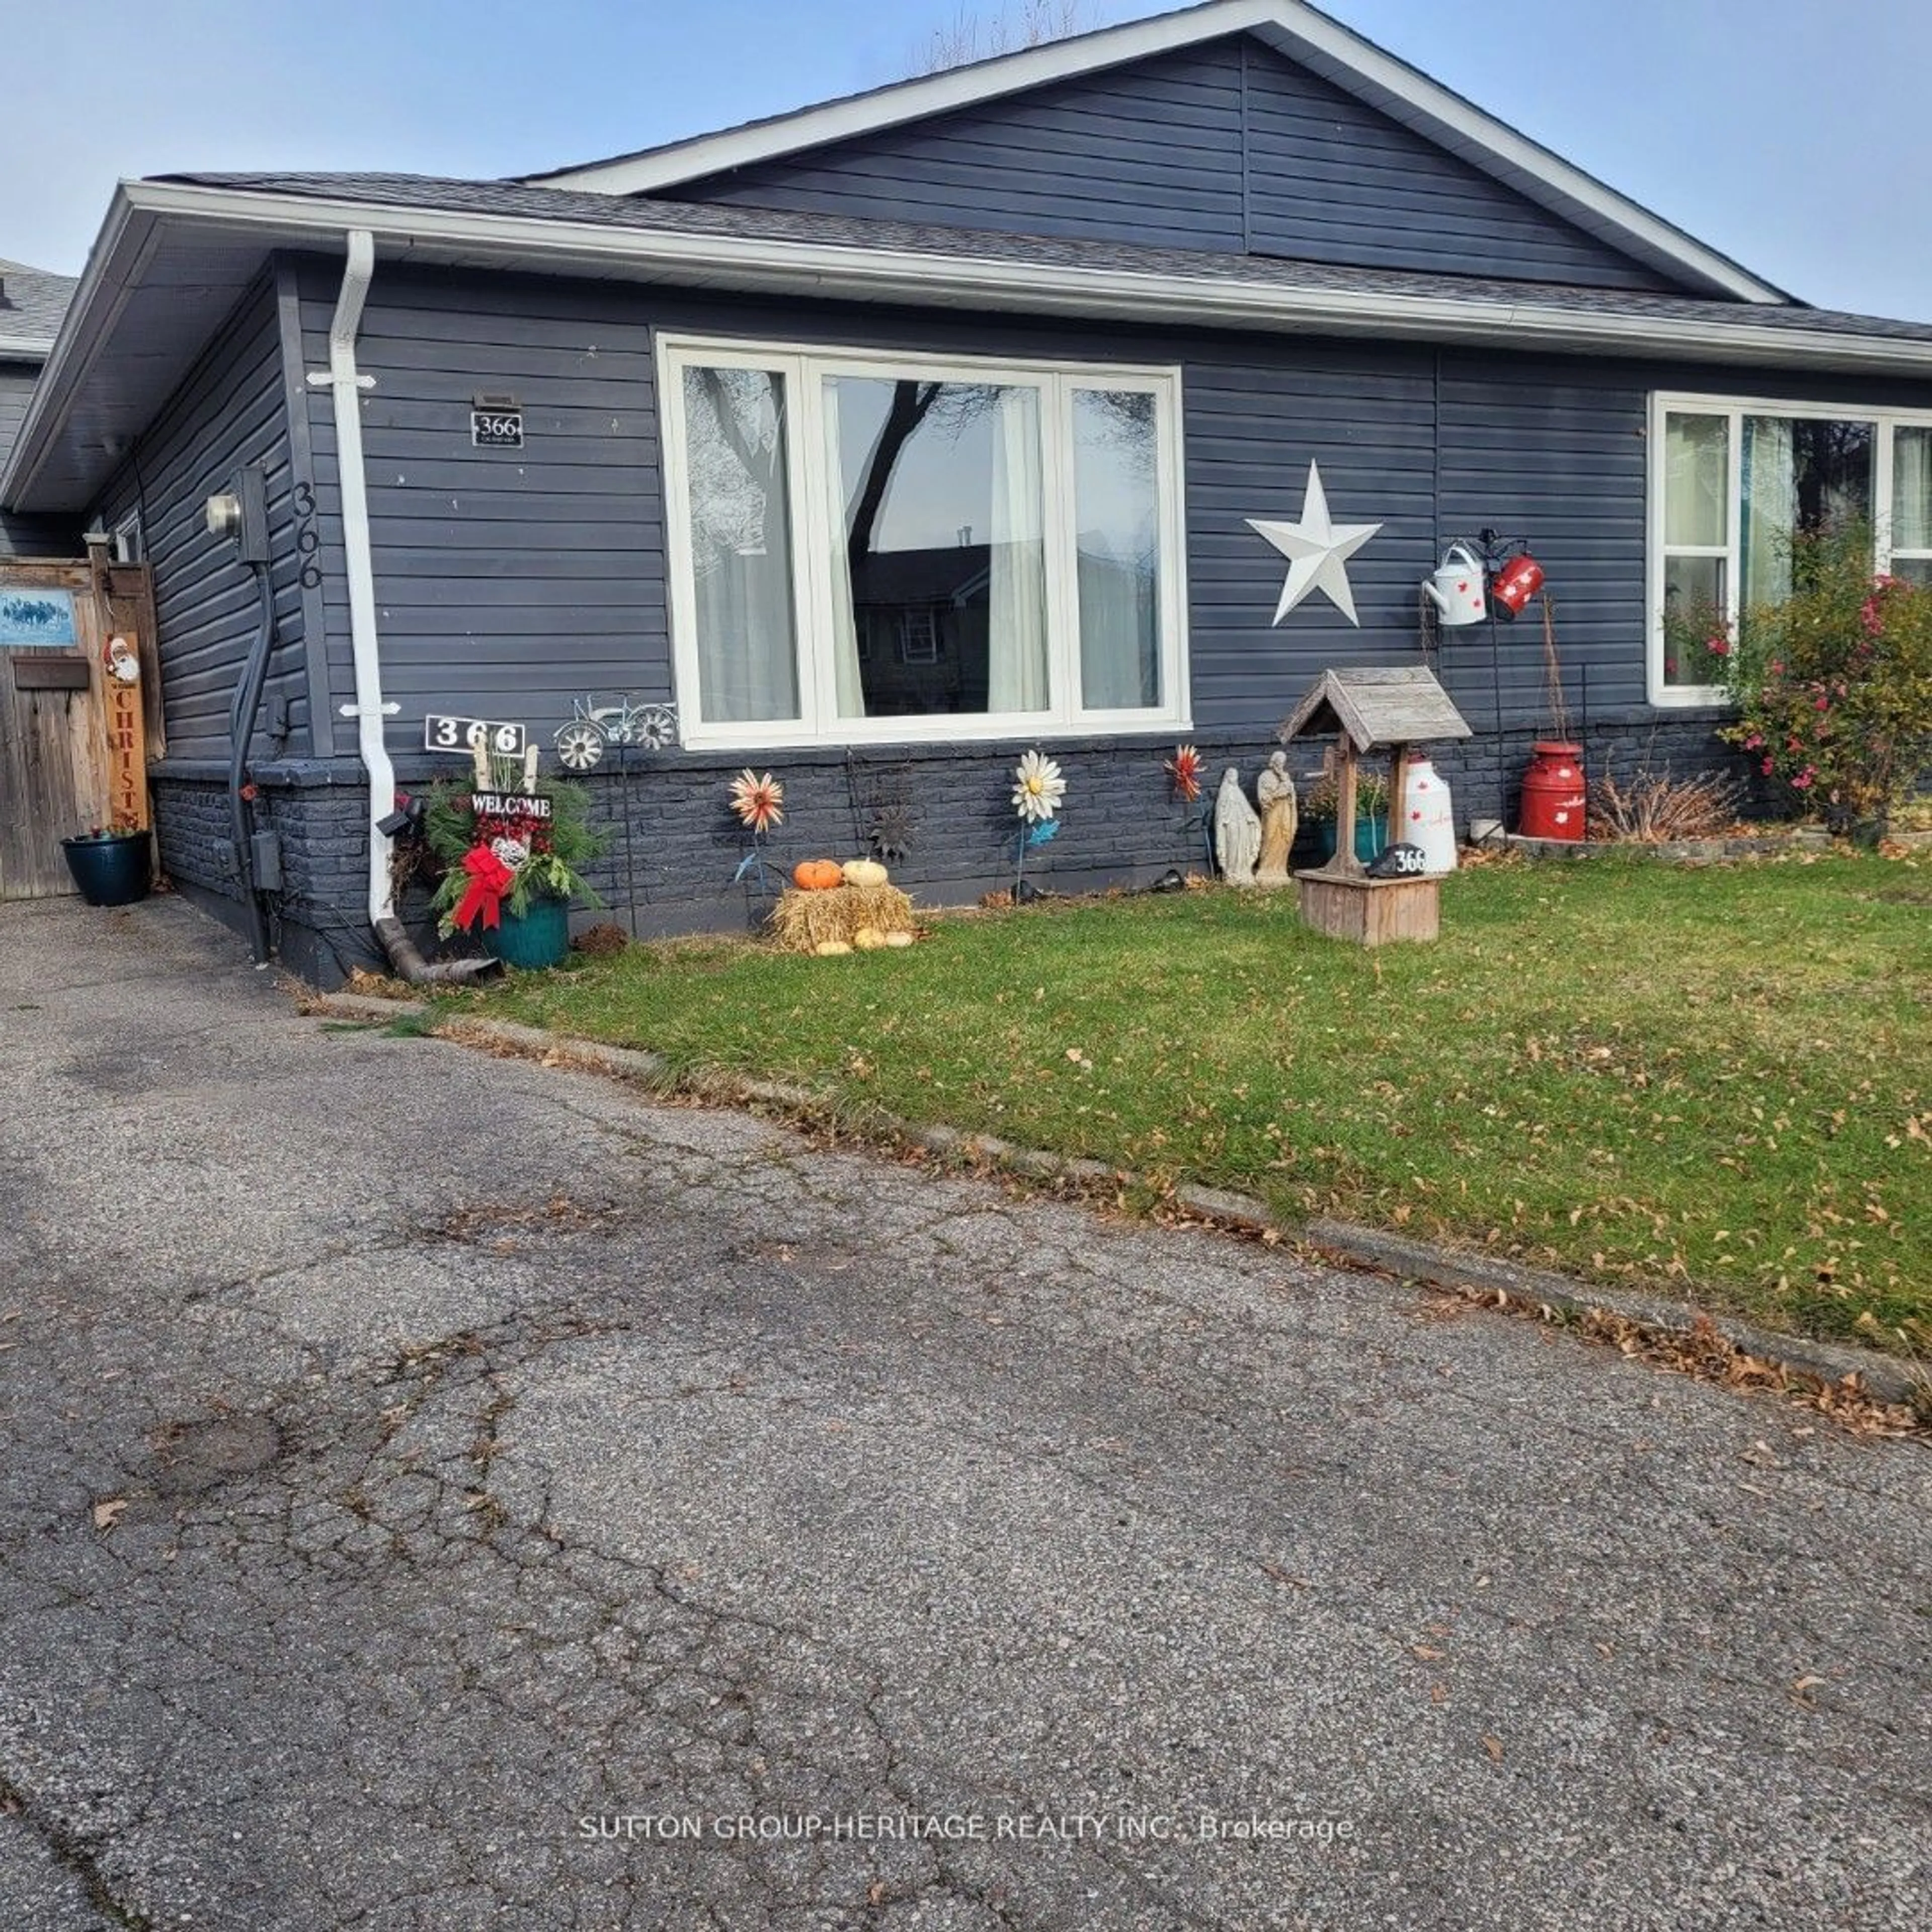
[[465, 734], [497, 429]]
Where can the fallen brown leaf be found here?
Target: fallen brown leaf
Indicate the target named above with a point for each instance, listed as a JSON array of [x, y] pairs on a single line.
[[1428, 1652], [108, 1512], [1494, 1746]]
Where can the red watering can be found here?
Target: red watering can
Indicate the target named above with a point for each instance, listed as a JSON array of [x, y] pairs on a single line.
[[1514, 585]]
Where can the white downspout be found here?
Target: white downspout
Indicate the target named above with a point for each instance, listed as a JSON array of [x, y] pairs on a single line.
[[346, 384]]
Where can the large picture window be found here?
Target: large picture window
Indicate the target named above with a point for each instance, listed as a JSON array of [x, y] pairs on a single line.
[[867, 549], [1732, 482]]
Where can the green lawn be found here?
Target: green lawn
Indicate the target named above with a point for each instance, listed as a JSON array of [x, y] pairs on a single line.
[[1717, 1083]]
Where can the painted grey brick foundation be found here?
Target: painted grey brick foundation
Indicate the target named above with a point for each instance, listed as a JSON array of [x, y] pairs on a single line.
[[674, 845]]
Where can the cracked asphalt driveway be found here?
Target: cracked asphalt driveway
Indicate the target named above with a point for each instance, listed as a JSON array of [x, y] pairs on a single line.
[[417, 1465]]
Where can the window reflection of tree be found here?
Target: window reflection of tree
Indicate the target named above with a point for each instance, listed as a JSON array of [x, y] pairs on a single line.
[[1831, 464], [736, 426]]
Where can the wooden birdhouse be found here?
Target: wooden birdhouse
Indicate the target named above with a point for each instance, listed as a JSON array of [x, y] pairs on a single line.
[[1371, 710]]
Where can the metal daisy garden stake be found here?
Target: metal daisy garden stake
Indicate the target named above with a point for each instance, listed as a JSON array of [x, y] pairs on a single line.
[[759, 803], [1038, 789]]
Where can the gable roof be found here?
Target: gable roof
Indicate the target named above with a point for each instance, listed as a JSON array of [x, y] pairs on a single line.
[[32, 302], [1292, 28]]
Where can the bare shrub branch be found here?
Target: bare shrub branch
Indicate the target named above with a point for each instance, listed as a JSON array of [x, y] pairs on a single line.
[[971, 36], [1652, 807]]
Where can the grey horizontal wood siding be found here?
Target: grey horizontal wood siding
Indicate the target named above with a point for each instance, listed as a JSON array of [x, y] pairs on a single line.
[[1224, 146], [28, 536], [16, 386], [1331, 179], [509, 583], [231, 409]]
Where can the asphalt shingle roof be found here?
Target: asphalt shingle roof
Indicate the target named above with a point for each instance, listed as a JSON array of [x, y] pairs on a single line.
[[32, 302], [528, 202]]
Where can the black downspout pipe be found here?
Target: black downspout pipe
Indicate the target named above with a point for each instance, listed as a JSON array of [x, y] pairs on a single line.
[[241, 716]]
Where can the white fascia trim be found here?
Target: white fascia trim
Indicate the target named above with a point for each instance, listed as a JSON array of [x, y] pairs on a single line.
[[113, 265], [18, 349], [1293, 29], [904, 275]]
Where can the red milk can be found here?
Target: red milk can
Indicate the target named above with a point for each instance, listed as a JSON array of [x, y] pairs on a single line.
[[1552, 793]]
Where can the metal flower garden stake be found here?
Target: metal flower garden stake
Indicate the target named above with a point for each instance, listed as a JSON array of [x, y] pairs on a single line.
[[1038, 789], [1184, 775], [759, 803]]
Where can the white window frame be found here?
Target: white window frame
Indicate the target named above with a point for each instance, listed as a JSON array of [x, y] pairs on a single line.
[[812, 516], [1733, 409], [129, 539]]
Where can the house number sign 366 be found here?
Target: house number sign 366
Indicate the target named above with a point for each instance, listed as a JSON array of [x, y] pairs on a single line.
[[442, 733], [497, 429]]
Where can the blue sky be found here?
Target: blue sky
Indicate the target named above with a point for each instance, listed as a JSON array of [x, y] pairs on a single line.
[[1791, 134]]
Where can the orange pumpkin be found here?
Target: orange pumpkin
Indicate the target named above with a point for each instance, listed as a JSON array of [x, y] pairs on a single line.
[[817, 875]]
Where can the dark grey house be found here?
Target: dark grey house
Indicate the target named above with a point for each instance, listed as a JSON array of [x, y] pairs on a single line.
[[32, 302], [1194, 335]]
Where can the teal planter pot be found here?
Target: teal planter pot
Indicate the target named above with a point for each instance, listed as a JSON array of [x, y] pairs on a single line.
[[113, 871], [538, 938], [1371, 835]]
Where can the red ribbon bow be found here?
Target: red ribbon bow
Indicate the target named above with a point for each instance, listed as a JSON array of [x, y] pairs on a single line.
[[489, 881]]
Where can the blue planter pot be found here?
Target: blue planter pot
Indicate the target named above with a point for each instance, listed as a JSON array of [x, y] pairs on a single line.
[[538, 938], [111, 871], [1371, 835]]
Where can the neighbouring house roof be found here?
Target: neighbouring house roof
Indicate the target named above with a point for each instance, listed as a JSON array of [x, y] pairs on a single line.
[[944, 574], [1297, 32], [32, 302], [176, 254]]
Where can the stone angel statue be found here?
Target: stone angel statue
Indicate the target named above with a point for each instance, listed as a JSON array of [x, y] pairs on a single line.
[[1238, 831]]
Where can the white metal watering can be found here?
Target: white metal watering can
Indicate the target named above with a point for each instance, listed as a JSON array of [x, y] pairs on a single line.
[[1456, 588]]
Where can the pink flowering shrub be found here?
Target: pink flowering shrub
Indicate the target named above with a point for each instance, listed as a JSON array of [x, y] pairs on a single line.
[[1834, 686]]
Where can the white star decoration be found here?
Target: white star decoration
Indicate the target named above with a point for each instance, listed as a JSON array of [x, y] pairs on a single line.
[[1318, 552]]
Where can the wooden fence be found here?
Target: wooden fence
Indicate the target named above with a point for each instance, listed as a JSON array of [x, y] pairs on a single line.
[[75, 735]]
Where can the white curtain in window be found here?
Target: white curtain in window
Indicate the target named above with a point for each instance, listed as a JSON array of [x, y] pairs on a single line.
[[844, 619], [1119, 631], [1770, 509], [1911, 489], [1117, 502], [741, 544], [1017, 612], [1697, 480]]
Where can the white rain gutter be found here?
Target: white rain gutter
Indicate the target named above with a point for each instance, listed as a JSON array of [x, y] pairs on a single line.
[[346, 384]]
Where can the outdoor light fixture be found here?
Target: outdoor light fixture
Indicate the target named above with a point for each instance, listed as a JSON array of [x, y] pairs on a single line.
[[407, 816]]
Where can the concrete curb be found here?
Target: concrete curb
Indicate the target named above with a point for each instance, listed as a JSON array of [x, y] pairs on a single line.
[[1344, 1242], [1883, 1378]]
